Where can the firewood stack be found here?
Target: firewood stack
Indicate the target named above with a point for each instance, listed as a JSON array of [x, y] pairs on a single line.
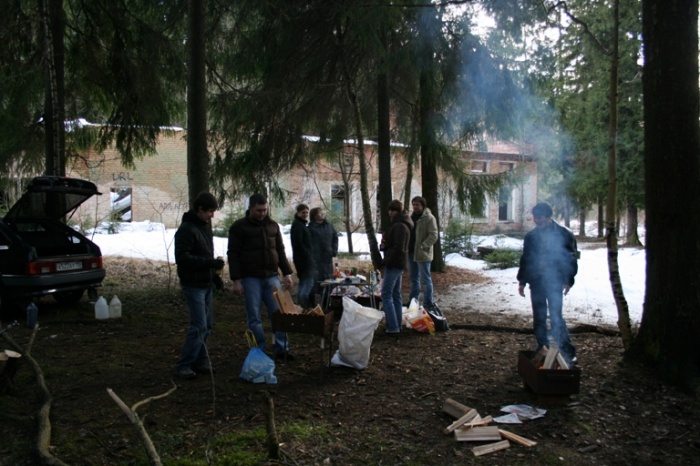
[[471, 427]]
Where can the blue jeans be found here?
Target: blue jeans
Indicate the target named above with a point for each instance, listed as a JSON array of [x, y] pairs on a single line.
[[550, 295], [391, 299], [199, 305], [255, 292], [420, 275], [304, 290]]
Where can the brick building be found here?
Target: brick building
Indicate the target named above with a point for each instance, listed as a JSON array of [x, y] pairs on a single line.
[[156, 189]]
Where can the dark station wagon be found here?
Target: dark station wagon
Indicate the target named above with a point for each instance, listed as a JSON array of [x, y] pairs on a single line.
[[39, 253]]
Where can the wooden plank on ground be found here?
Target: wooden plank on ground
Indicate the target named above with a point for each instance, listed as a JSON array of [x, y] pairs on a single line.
[[490, 448], [454, 408], [478, 434], [471, 414], [517, 438], [475, 423]]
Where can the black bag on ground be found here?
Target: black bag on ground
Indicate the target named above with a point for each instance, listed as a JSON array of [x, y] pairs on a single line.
[[439, 320]]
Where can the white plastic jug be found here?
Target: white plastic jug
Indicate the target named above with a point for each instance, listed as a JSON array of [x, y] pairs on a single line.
[[115, 308], [101, 309]]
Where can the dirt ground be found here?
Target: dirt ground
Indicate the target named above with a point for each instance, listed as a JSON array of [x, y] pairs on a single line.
[[387, 414]]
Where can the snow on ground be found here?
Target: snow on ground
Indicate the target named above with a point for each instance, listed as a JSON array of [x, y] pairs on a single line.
[[589, 301]]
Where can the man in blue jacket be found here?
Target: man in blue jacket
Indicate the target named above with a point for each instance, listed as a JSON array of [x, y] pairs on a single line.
[[196, 267], [549, 265]]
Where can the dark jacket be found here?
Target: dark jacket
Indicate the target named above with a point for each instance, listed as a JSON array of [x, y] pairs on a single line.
[[549, 257], [397, 240], [256, 249], [194, 250], [302, 250], [324, 240]]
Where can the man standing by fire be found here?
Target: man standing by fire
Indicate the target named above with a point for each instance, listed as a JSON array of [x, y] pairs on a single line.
[[197, 271], [255, 257], [549, 264]]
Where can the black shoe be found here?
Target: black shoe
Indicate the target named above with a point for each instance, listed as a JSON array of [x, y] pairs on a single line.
[[284, 356], [205, 369], [186, 374]]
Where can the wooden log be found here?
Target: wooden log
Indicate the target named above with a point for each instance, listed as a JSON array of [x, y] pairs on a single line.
[[454, 409], [562, 362], [550, 358], [517, 438], [490, 448], [471, 414], [477, 434], [539, 356]]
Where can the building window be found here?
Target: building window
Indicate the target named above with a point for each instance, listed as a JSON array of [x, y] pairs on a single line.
[[120, 204], [479, 166], [338, 200]]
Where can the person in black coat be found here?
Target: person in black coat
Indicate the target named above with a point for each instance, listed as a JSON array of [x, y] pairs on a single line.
[[303, 256], [395, 247], [549, 264], [196, 269], [324, 240]]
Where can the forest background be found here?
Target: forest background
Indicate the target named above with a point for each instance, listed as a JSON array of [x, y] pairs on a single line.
[[601, 89]]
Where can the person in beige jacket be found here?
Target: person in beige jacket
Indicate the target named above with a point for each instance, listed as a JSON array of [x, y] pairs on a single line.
[[420, 252]]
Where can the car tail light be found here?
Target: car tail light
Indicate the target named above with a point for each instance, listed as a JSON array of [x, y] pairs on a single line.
[[38, 268]]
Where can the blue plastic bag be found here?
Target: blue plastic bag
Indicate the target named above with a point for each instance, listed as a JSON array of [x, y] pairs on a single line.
[[258, 367]]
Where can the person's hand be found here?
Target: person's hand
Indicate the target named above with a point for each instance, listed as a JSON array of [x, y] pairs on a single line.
[[287, 281], [566, 289], [218, 282], [238, 287], [217, 264], [521, 290]]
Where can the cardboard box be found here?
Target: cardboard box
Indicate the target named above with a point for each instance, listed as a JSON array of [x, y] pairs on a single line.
[[548, 381]]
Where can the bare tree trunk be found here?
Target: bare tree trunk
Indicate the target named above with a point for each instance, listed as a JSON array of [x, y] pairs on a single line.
[[582, 223], [273, 443], [669, 335], [384, 143], [623, 322], [364, 192], [601, 219], [54, 108], [632, 238], [197, 152]]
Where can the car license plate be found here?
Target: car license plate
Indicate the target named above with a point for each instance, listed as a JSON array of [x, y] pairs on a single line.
[[63, 266]]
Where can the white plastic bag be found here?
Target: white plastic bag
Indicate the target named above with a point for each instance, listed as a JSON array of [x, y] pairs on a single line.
[[412, 313], [355, 334]]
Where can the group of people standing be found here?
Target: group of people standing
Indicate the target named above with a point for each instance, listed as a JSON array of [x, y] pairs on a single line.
[[256, 256], [314, 245]]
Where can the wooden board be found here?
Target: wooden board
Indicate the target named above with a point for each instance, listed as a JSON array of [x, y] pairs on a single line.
[[471, 414], [562, 362], [516, 438], [490, 448], [454, 408], [286, 303], [550, 358], [478, 421], [478, 434]]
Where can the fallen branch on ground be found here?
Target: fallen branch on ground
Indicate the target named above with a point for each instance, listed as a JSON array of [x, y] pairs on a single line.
[[138, 423]]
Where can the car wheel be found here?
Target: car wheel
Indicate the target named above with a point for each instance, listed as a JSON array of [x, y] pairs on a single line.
[[68, 297]]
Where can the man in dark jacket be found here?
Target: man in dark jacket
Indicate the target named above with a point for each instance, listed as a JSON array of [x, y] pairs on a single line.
[[549, 265], [196, 266], [302, 252], [324, 239], [395, 246], [256, 255]]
